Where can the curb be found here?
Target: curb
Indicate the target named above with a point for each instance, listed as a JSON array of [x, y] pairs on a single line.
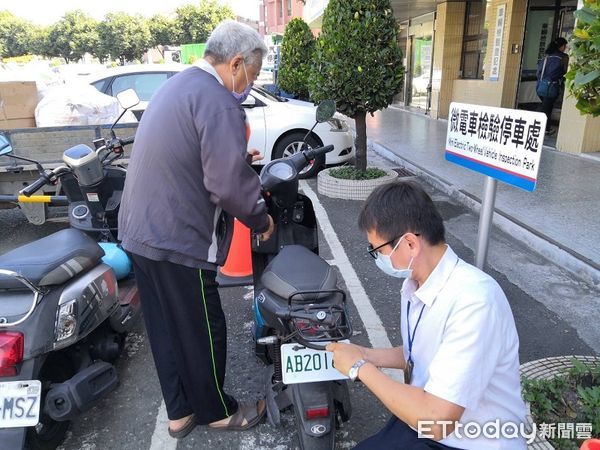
[[573, 262]]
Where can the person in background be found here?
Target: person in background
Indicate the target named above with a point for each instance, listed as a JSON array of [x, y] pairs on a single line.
[[550, 74], [188, 176]]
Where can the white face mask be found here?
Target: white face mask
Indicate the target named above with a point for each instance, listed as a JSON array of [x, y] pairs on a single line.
[[384, 262]]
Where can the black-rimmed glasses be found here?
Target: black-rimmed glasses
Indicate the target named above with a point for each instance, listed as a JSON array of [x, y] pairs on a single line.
[[373, 251]]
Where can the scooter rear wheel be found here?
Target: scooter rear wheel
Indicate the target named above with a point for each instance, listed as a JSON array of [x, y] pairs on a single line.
[[49, 434]]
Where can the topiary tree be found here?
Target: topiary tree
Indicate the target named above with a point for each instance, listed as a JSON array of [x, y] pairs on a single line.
[[296, 58], [583, 78], [358, 62]]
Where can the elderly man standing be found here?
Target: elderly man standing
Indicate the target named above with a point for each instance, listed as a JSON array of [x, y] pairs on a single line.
[[188, 177]]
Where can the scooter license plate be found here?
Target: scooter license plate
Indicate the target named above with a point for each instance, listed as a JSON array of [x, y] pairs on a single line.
[[304, 365], [20, 403]]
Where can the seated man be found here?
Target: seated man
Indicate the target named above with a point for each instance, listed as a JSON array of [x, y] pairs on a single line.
[[460, 352]]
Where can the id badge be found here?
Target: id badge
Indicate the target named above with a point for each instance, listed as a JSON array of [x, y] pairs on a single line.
[[408, 371]]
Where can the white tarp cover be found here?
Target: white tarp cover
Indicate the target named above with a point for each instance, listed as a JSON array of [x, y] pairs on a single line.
[[76, 104]]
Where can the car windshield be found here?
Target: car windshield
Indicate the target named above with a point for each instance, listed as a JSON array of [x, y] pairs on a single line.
[[268, 95]]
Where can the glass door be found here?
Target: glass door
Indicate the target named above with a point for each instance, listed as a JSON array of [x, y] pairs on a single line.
[[419, 73]]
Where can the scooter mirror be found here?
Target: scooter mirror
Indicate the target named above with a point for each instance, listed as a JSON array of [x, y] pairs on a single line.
[[128, 98], [5, 147], [325, 110]]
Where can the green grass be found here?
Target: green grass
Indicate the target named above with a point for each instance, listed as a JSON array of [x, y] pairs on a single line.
[[351, 173]]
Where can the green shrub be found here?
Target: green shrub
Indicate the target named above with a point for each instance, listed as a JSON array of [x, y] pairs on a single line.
[[571, 398], [297, 52], [352, 173], [583, 78]]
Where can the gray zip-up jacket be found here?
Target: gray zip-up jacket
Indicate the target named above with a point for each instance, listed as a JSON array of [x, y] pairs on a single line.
[[188, 175]]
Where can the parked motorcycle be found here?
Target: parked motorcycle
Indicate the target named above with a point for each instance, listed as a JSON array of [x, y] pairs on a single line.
[[66, 301], [298, 307]]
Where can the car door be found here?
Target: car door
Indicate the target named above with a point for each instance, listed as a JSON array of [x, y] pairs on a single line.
[[255, 115]]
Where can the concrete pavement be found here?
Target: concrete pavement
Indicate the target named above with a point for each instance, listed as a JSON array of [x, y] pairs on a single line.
[[559, 219]]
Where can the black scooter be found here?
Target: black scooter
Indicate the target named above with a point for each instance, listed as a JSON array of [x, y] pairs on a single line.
[[298, 307], [66, 301]]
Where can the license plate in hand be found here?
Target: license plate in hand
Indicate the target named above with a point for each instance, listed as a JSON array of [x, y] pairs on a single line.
[[20, 403], [304, 365]]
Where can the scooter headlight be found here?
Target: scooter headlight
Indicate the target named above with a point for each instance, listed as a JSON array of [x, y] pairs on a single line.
[[66, 321]]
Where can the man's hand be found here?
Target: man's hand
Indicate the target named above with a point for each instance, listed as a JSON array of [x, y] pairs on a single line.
[[256, 155], [267, 234], [345, 355]]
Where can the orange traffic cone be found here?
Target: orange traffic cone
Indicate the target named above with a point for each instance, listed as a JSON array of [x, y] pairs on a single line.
[[237, 270], [591, 444]]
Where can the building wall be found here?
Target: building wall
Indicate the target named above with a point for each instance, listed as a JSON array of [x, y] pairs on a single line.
[[448, 49], [274, 15], [449, 30]]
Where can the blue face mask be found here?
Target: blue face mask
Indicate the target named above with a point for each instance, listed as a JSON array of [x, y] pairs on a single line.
[[384, 262], [241, 98], [244, 95]]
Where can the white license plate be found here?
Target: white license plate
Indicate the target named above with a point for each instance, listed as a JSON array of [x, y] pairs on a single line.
[[20, 403], [305, 365]]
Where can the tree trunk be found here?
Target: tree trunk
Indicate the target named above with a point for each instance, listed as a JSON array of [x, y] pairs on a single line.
[[361, 140]]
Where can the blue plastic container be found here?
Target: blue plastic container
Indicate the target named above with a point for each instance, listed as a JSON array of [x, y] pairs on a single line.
[[115, 257]]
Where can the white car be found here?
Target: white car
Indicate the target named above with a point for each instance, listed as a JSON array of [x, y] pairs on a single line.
[[278, 126]]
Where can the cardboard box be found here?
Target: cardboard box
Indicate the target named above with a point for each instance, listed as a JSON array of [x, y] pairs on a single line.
[[16, 123], [18, 100]]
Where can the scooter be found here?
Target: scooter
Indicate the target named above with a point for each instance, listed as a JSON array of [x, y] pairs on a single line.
[[298, 307], [66, 301]]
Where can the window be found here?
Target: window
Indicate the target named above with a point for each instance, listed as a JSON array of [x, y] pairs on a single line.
[[144, 84], [289, 7], [475, 39], [101, 85], [281, 8]]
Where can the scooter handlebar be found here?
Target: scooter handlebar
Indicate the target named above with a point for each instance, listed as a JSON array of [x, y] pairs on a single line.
[[128, 140], [311, 154], [29, 190]]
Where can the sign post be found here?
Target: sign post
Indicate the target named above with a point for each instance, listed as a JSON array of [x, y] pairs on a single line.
[[504, 144]]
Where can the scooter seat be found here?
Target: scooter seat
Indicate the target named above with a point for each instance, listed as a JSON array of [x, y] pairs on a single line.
[[52, 260], [297, 269]]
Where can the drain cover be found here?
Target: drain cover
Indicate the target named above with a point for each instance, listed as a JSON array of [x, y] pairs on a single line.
[[402, 172]]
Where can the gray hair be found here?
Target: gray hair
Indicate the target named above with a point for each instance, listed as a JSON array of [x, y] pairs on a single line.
[[231, 38]]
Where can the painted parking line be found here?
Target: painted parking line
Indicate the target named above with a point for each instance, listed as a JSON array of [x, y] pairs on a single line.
[[373, 325], [160, 438]]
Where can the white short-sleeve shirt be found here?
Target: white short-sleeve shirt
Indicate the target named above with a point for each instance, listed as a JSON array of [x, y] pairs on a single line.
[[466, 349]]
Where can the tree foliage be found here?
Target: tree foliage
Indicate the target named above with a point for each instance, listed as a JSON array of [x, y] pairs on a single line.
[[15, 35], [296, 58], [358, 62], [163, 30], [71, 37], [195, 23], [123, 36], [583, 78]]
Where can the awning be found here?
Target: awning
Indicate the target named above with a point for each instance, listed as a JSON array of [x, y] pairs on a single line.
[[403, 10]]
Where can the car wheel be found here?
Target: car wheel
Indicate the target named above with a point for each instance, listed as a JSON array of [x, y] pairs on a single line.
[[292, 144]]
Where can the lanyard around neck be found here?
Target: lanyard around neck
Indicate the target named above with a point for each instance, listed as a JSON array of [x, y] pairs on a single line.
[[411, 339]]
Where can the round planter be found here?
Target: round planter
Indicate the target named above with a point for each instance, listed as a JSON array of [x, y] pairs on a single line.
[[545, 369], [350, 189]]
